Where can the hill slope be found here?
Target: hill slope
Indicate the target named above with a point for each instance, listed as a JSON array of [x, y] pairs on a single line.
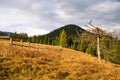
[[5, 33], [52, 63], [71, 30]]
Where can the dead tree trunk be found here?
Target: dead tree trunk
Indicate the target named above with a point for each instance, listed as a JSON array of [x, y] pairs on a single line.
[[98, 32], [98, 49]]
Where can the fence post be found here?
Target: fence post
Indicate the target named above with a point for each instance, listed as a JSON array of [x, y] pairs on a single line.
[[34, 45], [21, 42], [11, 42], [28, 44]]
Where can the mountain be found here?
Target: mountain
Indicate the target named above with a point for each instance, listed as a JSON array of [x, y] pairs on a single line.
[[71, 30], [4, 33]]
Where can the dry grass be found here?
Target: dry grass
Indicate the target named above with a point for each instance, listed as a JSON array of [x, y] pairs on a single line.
[[52, 63]]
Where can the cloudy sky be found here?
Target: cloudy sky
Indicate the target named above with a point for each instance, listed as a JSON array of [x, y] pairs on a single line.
[[43, 16]]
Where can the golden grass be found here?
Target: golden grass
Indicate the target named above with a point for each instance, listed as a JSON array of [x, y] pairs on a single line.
[[52, 63]]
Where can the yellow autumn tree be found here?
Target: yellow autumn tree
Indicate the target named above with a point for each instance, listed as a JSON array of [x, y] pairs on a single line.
[[63, 39]]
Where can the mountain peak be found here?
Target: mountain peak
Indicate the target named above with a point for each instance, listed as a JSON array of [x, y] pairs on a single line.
[[71, 30]]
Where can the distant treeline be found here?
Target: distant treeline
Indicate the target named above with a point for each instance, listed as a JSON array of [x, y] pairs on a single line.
[[4, 33], [19, 36]]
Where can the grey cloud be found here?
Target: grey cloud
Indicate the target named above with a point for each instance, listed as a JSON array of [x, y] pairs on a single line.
[[50, 14], [81, 10]]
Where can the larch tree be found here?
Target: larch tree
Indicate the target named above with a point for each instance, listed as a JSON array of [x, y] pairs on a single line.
[[63, 39]]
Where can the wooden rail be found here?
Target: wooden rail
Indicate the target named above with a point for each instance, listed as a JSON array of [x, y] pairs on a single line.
[[24, 44], [5, 37]]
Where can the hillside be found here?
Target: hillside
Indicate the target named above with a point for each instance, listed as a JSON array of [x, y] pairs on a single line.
[[3, 33], [71, 30], [52, 63], [72, 33]]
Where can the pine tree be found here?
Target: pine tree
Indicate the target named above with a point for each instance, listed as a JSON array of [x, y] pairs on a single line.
[[118, 52], [48, 41], [40, 41], [69, 42], [115, 58], [91, 50], [74, 46], [63, 39], [45, 40], [83, 46], [57, 40]]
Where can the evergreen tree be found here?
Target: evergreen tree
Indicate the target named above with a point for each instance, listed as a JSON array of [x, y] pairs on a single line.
[[48, 41], [56, 40], [75, 46], [1, 33], [69, 42], [53, 42], [83, 46], [91, 50], [63, 39], [40, 41], [45, 40], [118, 52], [115, 57]]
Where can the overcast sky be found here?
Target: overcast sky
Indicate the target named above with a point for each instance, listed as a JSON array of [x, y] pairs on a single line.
[[43, 16]]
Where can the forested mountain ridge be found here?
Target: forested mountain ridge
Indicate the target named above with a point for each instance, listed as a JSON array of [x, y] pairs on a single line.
[[4, 33], [72, 33], [71, 30]]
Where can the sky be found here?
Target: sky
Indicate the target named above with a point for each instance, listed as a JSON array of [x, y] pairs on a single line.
[[37, 17]]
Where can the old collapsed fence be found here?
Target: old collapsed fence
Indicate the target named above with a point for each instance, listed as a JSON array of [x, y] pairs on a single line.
[[19, 42], [5, 37]]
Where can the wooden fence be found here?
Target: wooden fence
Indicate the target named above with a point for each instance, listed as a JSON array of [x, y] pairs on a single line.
[[20, 43], [5, 37], [26, 44]]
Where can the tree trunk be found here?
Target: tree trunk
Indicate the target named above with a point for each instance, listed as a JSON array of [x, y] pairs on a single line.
[[98, 49]]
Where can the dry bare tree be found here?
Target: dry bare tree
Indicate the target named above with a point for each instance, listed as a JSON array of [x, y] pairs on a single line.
[[98, 32]]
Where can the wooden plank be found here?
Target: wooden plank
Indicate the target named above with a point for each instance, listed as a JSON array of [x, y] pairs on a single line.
[[4, 37]]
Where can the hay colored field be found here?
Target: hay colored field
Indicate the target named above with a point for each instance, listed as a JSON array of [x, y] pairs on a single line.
[[52, 63]]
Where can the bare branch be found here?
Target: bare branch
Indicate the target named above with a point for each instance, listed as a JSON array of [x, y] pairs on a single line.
[[90, 23], [98, 32]]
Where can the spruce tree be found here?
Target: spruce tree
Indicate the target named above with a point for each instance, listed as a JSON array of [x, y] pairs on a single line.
[[57, 40], [91, 50], [82, 46], [74, 46], [69, 42], [115, 58]]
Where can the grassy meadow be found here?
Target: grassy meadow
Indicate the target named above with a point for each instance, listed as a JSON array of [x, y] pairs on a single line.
[[52, 63]]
